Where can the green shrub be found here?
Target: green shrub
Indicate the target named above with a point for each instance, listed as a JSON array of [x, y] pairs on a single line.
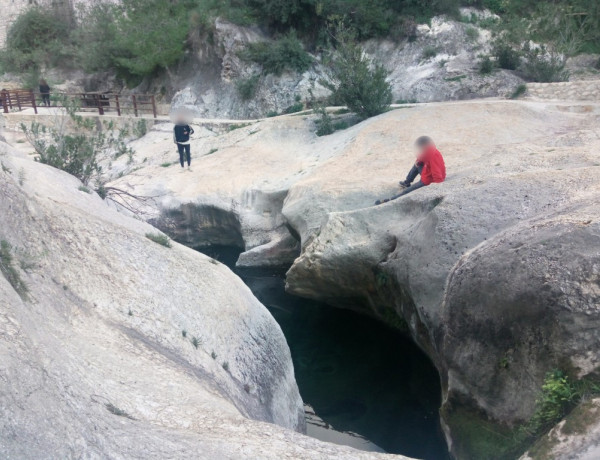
[[159, 238], [78, 150], [506, 56], [10, 272], [37, 38], [294, 108], [272, 113], [324, 123], [544, 66], [275, 57], [429, 52], [359, 83], [486, 66], [247, 87], [519, 91], [472, 33]]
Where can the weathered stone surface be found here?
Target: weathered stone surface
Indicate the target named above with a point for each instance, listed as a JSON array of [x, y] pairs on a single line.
[[94, 361], [511, 165], [575, 437]]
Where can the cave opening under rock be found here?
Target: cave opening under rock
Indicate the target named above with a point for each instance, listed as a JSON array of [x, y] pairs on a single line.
[[359, 375]]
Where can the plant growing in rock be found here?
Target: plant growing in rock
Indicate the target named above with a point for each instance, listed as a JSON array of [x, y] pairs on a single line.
[[159, 238], [10, 272], [544, 65], [225, 366], [486, 66], [354, 79], [195, 342], [286, 53], [247, 87]]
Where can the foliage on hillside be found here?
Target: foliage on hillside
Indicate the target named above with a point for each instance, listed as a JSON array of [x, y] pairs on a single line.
[[137, 38]]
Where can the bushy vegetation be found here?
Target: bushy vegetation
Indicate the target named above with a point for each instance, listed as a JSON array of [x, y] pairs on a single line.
[[355, 80], [37, 38], [137, 38], [9, 271], [286, 53], [76, 144], [247, 87], [159, 238]]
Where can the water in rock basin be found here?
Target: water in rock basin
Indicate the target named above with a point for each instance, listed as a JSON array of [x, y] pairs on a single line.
[[358, 375]]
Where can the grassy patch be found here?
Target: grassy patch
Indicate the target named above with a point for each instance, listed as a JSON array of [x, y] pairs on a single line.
[[479, 438], [159, 238], [247, 87], [9, 271], [116, 411], [457, 78], [213, 150], [166, 164], [83, 188], [225, 366], [518, 92], [429, 52], [237, 126]]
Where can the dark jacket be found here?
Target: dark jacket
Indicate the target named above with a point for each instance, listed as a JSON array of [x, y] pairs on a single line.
[[182, 133], [44, 89]]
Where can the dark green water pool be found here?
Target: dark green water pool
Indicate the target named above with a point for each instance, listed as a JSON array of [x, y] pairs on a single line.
[[357, 374]]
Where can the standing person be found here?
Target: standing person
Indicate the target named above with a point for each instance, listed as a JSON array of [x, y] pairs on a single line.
[[181, 136], [45, 92], [430, 165]]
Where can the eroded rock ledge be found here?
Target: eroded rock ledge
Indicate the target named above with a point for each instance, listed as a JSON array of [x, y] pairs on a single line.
[[500, 264]]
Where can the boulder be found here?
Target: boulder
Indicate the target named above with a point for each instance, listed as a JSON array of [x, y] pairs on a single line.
[[511, 164], [113, 345]]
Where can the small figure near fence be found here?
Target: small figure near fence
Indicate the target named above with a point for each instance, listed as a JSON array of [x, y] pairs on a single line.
[[45, 92], [181, 137]]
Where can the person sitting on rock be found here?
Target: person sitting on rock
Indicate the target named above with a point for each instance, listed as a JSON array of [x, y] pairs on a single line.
[[181, 136], [430, 165]]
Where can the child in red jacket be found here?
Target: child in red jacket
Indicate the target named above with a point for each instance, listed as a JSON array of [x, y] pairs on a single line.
[[430, 165]]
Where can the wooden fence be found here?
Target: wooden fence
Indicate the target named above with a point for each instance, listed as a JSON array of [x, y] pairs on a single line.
[[135, 104]]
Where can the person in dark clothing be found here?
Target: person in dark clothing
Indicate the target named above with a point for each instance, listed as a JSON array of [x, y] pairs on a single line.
[[181, 136], [430, 165], [45, 92]]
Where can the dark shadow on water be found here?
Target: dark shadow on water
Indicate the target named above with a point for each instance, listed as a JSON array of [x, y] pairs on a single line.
[[357, 374]]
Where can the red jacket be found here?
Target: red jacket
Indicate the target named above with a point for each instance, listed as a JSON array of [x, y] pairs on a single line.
[[434, 169]]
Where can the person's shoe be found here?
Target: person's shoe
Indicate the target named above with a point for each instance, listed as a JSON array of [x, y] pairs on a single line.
[[404, 184]]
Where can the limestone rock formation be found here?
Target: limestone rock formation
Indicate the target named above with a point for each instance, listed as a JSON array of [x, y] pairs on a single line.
[[523, 183], [441, 64], [112, 345], [577, 436]]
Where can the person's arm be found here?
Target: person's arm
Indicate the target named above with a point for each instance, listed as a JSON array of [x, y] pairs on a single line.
[[191, 130], [175, 135]]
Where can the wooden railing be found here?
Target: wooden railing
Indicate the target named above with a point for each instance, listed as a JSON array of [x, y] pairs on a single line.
[[17, 99], [135, 104]]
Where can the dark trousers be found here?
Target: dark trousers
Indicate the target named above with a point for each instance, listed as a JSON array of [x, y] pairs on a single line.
[[46, 99], [184, 154], [412, 175]]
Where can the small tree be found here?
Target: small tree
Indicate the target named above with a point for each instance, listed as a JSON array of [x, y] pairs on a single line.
[[355, 80], [75, 144]]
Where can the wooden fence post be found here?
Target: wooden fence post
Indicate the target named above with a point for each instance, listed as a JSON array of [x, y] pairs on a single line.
[[135, 109], [99, 104], [118, 105], [4, 96], [18, 100], [153, 105], [33, 103]]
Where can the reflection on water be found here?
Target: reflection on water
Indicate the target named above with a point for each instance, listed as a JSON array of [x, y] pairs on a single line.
[[358, 375]]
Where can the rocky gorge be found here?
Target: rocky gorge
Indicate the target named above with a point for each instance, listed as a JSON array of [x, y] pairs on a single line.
[[493, 273], [115, 346]]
